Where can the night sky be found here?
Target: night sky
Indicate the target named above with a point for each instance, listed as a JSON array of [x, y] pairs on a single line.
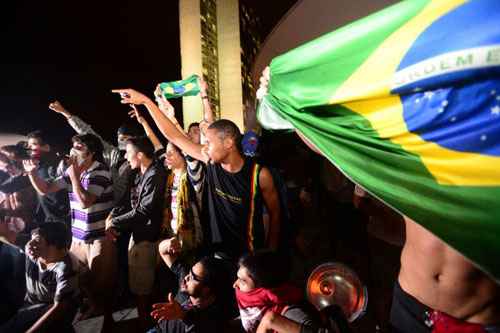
[[77, 52]]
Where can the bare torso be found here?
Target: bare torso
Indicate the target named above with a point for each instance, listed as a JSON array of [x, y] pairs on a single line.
[[441, 278]]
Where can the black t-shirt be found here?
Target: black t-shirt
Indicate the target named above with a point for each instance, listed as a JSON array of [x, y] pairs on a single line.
[[209, 319], [233, 209]]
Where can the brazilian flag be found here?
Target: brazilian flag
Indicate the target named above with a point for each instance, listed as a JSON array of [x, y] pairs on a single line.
[[406, 103], [187, 87]]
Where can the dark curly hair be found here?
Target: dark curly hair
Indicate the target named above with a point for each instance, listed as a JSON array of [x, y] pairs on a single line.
[[93, 143], [268, 269]]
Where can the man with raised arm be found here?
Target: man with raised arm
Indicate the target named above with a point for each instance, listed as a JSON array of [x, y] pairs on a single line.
[[438, 290], [235, 188], [114, 156]]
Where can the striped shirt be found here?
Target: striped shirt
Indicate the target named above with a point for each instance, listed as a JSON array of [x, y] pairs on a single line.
[[173, 202], [89, 223], [113, 158], [196, 173]]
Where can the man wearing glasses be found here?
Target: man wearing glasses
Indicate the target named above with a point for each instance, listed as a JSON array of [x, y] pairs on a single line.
[[202, 303]]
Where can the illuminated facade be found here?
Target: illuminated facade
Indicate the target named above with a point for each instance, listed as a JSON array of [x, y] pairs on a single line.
[[220, 39]]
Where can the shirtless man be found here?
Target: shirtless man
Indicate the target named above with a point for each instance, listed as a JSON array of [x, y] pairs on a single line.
[[438, 289], [437, 284]]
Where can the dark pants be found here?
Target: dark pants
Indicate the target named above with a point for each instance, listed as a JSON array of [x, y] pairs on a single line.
[[408, 315], [28, 315]]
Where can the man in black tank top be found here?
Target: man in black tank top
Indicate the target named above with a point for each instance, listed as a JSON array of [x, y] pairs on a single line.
[[233, 203], [235, 188]]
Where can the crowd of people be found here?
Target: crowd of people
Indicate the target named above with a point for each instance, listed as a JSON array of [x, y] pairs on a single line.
[[234, 232]]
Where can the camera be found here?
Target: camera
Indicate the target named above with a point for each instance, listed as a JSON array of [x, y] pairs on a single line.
[[23, 151]]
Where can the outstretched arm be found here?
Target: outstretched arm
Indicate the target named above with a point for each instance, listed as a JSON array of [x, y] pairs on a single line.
[[134, 113], [262, 91], [57, 107], [167, 109], [81, 127], [208, 114], [168, 129]]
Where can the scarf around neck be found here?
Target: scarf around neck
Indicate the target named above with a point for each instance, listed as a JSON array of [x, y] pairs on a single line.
[[254, 304]]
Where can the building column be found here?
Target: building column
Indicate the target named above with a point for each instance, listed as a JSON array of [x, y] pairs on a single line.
[[231, 93], [191, 62]]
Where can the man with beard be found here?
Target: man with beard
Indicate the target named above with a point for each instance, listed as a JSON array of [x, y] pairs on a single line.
[[201, 306]]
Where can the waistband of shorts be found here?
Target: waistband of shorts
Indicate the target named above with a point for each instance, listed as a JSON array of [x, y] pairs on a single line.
[[418, 308], [86, 241], [403, 297]]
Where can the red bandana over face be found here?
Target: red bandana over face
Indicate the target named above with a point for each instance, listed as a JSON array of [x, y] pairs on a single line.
[[254, 304]]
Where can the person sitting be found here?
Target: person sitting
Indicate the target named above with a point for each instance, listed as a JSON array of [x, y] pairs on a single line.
[[267, 301], [52, 280], [202, 303]]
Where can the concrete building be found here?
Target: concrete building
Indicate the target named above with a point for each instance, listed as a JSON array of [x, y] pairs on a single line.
[[219, 39]]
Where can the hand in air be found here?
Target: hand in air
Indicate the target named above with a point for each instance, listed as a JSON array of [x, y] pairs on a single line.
[[57, 107], [134, 113], [131, 96], [264, 83]]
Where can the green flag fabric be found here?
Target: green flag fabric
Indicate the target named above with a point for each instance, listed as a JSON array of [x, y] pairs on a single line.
[[187, 87], [406, 103]]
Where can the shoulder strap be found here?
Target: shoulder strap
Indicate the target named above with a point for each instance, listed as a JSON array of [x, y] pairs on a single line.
[[254, 188]]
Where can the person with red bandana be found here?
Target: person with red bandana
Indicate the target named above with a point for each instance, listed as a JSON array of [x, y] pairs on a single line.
[[268, 301]]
